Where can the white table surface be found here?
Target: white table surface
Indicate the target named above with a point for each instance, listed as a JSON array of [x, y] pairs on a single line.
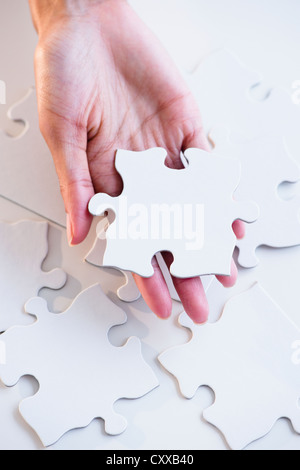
[[265, 34]]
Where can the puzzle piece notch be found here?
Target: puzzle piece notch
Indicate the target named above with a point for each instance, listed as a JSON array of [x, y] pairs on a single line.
[[266, 164], [81, 375], [23, 248], [151, 184], [251, 372]]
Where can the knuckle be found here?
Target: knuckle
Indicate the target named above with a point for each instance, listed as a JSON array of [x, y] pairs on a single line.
[[73, 183]]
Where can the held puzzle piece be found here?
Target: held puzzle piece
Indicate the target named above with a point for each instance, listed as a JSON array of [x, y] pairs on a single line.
[[187, 212], [27, 173], [81, 375], [266, 163], [23, 248], [251, 359], [128, 292]]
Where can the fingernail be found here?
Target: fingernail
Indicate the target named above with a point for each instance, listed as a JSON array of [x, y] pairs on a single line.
[[69, 230], [165, 316]]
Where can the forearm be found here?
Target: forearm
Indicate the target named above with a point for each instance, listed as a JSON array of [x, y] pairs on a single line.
[[44, 11]]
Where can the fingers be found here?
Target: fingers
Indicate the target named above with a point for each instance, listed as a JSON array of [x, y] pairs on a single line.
[[229, 281], [239, 229], [67, 145], [155, 292], [77, 190], [191, 293]]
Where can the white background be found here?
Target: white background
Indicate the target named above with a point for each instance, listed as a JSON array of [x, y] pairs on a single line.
[[265, 34]]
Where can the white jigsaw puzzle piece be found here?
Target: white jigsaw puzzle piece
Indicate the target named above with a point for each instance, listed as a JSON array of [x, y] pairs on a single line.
[[277, 116], [23, 248], [151, 190], [222, 87], [251, 361], [27, 172], [128, 292], [14, 433], [266, 163], [81, 375]]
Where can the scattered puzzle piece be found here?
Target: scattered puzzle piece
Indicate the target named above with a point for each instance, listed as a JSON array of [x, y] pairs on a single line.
[[23, 248], [248, 359], [81, 375], [151, 212], [14, 433], [266, 164], [129, 291], [222, 87], [27, 173], [277, 116]]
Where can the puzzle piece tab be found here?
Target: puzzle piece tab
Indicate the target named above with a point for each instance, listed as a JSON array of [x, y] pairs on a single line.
[[249, 359], [187, 212], [81, 375], [23, 248]]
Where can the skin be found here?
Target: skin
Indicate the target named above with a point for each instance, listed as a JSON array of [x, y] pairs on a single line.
[[105, 82]]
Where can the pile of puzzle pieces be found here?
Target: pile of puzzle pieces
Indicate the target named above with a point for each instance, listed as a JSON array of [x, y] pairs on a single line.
[[250, 358]]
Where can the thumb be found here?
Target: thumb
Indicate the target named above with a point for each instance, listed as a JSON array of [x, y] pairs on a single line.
[[67, 145]]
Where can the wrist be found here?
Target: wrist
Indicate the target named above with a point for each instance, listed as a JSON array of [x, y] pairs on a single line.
[[45, 11]]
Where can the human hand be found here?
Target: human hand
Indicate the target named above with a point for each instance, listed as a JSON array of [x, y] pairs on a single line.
[[104, 82]]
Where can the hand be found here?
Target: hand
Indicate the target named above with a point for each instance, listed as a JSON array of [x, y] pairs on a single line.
[[104, 82]]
